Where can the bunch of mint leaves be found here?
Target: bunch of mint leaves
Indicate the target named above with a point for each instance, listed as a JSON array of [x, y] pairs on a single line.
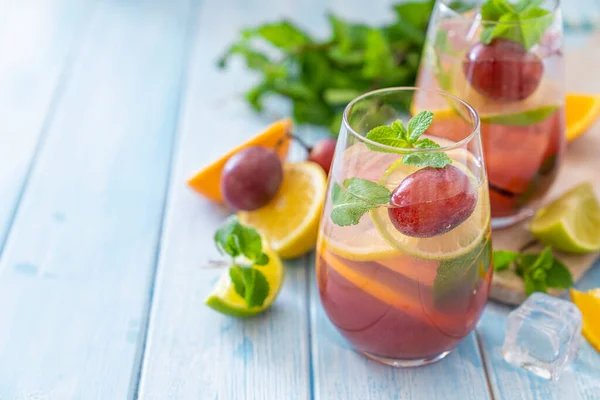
[[539, 271], [320, 77], [359, 195], [522, 21], [239, 241]]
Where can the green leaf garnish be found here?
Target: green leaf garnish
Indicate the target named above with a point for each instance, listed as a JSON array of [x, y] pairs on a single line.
[[250, 284], [237, 240], [460, 274], [320, 76], [538, 271], [523, 22], [419, 124], [399, 137], [356, 198], [503, 259]]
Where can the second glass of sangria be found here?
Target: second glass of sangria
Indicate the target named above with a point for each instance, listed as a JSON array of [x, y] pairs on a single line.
[[505, 59]]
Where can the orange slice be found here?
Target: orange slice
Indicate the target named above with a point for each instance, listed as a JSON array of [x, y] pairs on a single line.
[[207, 181], [375, 289], [589, 305], [582, 110]]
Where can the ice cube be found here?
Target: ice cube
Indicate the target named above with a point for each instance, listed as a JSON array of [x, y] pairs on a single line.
[[543, 335]]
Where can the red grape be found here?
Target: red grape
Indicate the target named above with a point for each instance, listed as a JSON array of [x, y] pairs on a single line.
[[503, 70], [432, 201], [251, 178], [322, 153]]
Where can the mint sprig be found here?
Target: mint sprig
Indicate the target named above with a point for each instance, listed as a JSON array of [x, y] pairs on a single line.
[[523, 22], [401, 138], [244, 244], [357, 197], [539, 271], [459, 276]]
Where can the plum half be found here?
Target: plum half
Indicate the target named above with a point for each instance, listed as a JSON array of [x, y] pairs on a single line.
[[503, 70], [432, 201]]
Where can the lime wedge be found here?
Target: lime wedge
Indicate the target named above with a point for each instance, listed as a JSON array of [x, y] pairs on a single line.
[[226, 300], [570, 223], [455, 243]]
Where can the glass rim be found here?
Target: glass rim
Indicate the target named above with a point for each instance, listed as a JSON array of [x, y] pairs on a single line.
[[487, 22], [475, 131]]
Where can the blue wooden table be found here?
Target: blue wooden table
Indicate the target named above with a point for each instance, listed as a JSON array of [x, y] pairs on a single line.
[[105, 109]]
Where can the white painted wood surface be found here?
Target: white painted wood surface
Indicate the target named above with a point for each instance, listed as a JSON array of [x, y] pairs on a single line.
[[112, 88], [38, 41], [79, 260]]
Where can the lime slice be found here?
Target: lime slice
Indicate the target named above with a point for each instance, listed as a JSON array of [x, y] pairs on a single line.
[[571, 223], [455, 243], [226, 300]]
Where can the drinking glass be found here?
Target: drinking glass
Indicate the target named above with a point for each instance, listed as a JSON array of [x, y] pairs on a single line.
[[405, 280], [512, 73]]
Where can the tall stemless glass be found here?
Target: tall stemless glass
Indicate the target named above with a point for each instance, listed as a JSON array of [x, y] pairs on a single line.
[[403, 255], [512, 72]]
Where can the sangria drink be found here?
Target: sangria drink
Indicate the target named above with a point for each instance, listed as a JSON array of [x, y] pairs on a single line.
[[505, 59], [404, 252]]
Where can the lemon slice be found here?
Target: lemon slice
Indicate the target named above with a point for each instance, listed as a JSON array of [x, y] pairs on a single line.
[[462, 239], [589, 305], [571, 223], [226, 300], [290, 220]]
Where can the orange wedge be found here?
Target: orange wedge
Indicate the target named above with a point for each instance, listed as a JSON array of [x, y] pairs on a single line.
[[589, 305], [582, 110], [207, 181]]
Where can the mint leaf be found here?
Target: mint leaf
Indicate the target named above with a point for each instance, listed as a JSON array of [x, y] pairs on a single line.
[[358, 197], [419, 124], [503, 259], [400, 137], [524, 5], [426, 144], [227, 237], [543, 261], [250, 284], [400, 130], [236, 240], [283, 35], [237, 277], [524, 262], [379, 59], [263, 259], [559, 276], [532, 285], [492, 10], [257, 287], [458, 276], [388, 136], [443, 44], [435, 160], [534, 23], [523, 22]]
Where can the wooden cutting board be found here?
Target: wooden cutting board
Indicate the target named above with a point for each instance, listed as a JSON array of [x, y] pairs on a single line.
[[581, 163]]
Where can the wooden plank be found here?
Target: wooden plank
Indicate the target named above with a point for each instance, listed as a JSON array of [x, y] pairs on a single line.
[[76, 271], [192, 351], [37, 41]]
